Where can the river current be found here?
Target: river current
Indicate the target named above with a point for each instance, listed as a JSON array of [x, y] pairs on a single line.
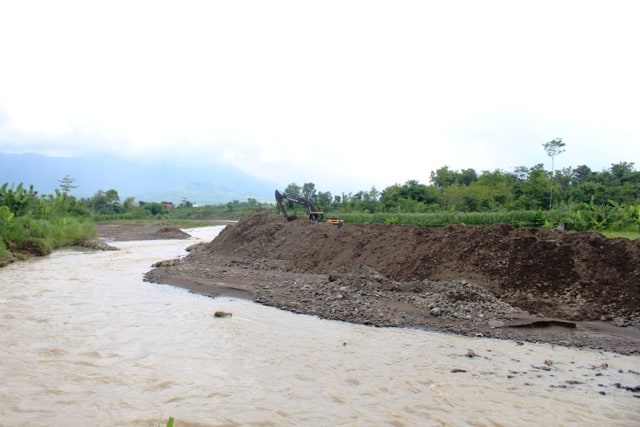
[[86, 342]]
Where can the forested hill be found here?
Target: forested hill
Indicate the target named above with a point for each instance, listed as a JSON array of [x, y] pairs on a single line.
[[154, 182]]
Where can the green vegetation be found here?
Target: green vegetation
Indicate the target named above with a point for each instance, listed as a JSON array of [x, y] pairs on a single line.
[[580, 199], [35, 225], [228, 211], [575, 198], [631, 235]]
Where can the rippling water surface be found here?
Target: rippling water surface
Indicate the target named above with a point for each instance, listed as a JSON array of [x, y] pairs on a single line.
[[85, 342]]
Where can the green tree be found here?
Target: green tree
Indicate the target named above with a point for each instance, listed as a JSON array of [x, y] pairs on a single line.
[[18, 199], [309, 192], [324, 200], [443, 177], [467, 177], [185, 204], [531, 194], [128, 203], [155, 208], [294, 190], [67, 184], [112, 196], [582, 174], [493, 191], [104, 203], [553, 148], [621, 170], [459, 198], [521, 173], [412, 196]]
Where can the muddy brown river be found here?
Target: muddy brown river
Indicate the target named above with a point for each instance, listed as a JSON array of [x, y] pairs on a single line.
[[85, 341]]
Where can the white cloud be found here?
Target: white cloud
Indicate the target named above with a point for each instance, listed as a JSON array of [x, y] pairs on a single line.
[[342, 94]]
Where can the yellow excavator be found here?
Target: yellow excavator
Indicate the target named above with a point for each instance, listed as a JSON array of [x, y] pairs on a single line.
[[314, 214]]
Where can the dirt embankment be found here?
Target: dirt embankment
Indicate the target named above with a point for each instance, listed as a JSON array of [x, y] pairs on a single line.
[[531, 284], [128, 230]]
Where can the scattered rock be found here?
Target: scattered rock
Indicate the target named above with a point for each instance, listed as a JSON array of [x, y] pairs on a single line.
[[619, 322], [98, 244], [167, 263]]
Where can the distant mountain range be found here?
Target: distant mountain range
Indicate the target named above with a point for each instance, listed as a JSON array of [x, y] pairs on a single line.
[[202, 185]]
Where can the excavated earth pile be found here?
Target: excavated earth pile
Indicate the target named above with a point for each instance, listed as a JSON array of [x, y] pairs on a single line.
[[521, 283]]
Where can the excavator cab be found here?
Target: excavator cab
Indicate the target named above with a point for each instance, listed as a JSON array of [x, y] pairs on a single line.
[[316, 216]]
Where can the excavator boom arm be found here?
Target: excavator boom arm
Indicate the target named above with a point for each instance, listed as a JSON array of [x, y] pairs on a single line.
[[282, 197]]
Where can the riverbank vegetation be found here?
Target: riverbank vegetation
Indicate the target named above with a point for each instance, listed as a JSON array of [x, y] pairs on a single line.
[[31, 224], [574, 198]]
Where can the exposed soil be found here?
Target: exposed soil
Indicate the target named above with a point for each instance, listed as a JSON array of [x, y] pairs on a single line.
[[529, 284], [127, 231]]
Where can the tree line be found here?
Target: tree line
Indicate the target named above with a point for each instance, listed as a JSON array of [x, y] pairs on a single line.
[[524, 188]]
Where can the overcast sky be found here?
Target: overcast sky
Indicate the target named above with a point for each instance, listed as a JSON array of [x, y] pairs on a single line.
[[344, 94]]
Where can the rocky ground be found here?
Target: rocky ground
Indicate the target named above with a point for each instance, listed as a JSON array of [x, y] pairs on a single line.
[[572, 289]]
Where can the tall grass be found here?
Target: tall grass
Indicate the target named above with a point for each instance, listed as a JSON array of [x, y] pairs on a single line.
[[5, 255], [40, 236], [439, 219]]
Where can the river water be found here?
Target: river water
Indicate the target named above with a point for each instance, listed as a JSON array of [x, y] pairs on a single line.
[[86, 342]]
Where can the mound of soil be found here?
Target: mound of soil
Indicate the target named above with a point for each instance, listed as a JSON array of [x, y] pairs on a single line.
[[123, 231], [490, 281]]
